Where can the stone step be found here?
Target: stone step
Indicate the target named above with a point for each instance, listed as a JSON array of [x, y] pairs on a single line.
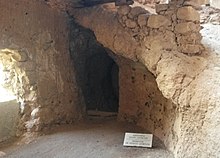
[[94, 113]]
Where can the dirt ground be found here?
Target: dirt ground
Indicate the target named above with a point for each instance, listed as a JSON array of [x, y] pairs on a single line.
[[91, 139]]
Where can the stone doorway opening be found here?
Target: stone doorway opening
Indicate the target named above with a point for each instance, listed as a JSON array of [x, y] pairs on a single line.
[[97, 72], [102, 83], [10, 89]]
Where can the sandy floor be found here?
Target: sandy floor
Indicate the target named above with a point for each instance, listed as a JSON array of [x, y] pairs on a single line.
[[92, 139]]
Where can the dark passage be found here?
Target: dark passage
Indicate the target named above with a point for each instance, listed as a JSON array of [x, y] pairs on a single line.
[[102, 83], [97, 72]]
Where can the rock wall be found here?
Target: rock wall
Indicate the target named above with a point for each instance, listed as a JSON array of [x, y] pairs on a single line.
[[146, 105], [178, 26], [48, 93]]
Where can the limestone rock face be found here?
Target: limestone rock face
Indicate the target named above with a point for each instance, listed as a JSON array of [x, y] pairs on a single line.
[[43, 81], [136, 83]]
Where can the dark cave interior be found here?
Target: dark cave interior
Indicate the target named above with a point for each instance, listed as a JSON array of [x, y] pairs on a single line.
[[97, 72]]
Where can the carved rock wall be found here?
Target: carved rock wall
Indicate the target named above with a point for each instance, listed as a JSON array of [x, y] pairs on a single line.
[[142, 103], [49, 93]]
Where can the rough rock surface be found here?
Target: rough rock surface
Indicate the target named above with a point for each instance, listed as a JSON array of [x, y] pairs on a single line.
[[146, 106], [44, 75]]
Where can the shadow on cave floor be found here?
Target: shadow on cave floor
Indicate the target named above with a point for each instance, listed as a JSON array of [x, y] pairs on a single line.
[[90, 139]]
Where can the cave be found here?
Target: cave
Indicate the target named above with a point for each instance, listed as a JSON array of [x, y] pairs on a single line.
[[82, 75]]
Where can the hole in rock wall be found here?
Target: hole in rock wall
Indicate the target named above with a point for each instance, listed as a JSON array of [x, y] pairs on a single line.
[[97, 72], [6, 94], [17, 92], [10, 85]]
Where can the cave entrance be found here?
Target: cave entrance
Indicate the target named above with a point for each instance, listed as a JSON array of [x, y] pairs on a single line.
[[96, 69], [102, 83], [9, 85]]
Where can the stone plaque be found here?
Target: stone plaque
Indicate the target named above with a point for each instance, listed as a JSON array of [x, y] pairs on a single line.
[[138, 140]]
